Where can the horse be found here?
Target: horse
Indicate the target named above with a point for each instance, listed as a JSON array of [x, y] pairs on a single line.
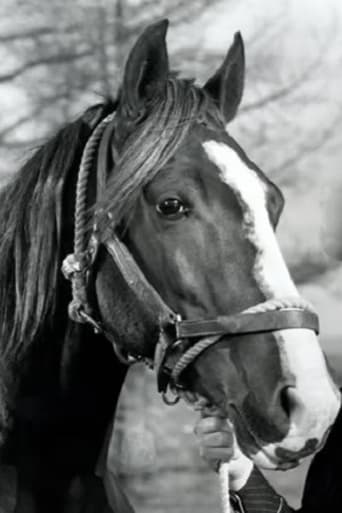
[[166, 230]]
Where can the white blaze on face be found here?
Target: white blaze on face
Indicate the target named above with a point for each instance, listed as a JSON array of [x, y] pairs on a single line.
[[299, 350], [270, 270]]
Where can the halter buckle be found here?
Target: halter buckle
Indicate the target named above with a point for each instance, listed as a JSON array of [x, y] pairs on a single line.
[[169, 401]]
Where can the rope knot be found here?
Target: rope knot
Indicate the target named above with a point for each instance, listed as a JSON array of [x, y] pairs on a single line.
[[75, 268], [76, 264], [76, 311]]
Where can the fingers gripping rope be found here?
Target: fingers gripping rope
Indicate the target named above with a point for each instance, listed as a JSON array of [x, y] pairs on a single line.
[[203, 406]]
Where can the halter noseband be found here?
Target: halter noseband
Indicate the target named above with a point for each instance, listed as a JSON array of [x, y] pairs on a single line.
[[189, 338]]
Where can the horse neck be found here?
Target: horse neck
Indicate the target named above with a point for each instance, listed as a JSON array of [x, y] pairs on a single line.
[[72, 380]]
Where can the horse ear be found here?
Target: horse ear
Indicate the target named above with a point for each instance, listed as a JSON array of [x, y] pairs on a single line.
[[146, 68], [226, 85]]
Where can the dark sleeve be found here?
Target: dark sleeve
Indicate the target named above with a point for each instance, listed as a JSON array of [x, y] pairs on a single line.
[[323, 487], [258, 496]]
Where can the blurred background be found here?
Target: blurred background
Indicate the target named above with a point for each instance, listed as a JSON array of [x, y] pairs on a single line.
[[59, 57]]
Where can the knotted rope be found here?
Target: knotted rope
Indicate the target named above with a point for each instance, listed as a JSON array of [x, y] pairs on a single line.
[[192, 353], [80, 242], [75, 266], [224, 486], [270, 305]]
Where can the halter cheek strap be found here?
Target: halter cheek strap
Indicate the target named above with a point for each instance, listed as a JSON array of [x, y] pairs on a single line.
[[137, 282]]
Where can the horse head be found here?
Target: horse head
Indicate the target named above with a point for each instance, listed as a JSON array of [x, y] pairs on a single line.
[[197, 217]]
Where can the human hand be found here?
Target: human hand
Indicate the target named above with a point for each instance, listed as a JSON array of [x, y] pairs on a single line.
[[218, 444]]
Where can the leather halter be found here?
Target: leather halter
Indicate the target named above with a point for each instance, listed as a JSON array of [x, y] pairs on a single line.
[[176, 335]]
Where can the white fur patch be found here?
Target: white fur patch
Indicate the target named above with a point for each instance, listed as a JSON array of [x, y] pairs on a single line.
[[299, 349], [270, 270]]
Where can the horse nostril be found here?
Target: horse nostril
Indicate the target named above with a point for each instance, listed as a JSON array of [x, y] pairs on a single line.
[[285, 401], [291, 403]]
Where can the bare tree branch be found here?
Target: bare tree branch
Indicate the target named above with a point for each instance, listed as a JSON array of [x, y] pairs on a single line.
[[28, 117], [49, 60], [295, 84], [282, 92], [102, 52], [35, 32], [30, 144], [309, 148]]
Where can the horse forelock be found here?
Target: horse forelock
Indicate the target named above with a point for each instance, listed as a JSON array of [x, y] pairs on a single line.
[[152, 144], [33, 223]]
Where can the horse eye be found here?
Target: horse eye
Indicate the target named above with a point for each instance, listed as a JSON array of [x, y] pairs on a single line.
[[171, 207]]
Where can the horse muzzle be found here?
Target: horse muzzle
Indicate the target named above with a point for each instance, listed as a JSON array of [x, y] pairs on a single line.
[[288, 418]]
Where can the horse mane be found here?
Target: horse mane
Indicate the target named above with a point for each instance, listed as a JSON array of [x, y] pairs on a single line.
[[33, 225], [37, 206]]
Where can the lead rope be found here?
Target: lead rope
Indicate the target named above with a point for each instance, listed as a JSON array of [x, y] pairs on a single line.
[[224, 486], [203, 406], [194, 351], [87, 161], [269, 305], [75, 266]]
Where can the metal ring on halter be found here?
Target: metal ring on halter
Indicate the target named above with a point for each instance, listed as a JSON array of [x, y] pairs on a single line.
[[123, 356], [87, 318], [167, 400]]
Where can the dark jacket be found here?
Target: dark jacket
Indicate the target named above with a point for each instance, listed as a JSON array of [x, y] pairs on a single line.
[[323, 487]]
